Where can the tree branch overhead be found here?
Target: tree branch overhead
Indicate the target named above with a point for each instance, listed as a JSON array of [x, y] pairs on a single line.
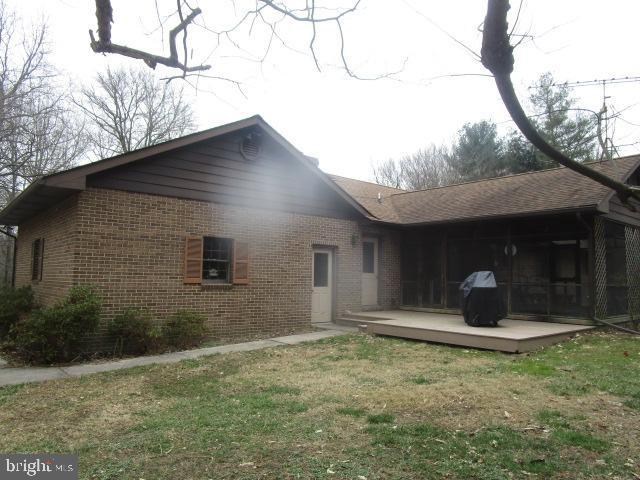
[[498, 58], [104, 15]]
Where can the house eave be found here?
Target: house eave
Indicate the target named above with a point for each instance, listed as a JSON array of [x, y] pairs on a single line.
[[62, 184], [592, 208]]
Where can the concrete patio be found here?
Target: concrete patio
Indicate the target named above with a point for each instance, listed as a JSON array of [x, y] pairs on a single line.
[[512, 336]]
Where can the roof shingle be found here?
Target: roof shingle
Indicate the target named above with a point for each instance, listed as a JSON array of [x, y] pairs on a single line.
[[543, 191]]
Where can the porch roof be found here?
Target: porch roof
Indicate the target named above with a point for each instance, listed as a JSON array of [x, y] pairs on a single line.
[[542, 192]]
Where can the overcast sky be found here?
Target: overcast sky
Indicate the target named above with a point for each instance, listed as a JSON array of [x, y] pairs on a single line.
[[348, 123]]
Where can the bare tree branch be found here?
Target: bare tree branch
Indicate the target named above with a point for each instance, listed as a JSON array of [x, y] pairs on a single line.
[[104, 14], [310, 13], [498, 58], [39, 132], [129, 109]]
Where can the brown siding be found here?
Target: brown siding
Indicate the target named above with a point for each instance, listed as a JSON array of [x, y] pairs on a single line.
[[618, 212], [216, 172], [58, 227], [131, 245]]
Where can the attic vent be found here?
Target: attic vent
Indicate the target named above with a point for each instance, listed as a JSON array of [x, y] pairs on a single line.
[[250, 146]]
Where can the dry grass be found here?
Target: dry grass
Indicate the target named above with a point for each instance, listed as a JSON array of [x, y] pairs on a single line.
[[348, 407]]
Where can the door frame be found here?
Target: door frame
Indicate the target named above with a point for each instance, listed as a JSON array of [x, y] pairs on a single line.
[[333, 277]]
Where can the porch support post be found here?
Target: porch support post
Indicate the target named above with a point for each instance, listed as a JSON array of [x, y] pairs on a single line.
[[600, 268]]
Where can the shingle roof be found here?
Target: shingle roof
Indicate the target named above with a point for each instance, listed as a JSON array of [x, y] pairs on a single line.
[[543, 191], [366, 194]]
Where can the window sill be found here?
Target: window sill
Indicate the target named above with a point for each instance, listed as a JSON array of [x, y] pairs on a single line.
[[216, 286]]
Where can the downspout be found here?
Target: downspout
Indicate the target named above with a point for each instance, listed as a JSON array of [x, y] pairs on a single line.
[[15, 250]]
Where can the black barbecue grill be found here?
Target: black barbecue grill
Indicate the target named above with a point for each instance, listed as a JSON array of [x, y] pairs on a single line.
[[481, 302]]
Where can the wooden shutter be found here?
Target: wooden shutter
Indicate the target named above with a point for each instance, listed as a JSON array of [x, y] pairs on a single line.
[[41, 259], [240, 262], [36, 250], [193, 260]]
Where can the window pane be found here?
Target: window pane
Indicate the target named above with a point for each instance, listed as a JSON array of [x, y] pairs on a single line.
[[320, 269], [216, 261], [368, 257]]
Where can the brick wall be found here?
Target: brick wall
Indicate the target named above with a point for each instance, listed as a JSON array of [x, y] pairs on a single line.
[[131, 245], [390, 284], [58, 227]]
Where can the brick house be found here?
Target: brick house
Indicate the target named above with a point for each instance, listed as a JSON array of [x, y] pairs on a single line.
[[234, 222]]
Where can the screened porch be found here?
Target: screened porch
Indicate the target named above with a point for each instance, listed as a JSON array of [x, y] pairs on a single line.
[[568, 267]]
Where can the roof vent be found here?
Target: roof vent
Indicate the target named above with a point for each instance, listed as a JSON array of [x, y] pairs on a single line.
[[250, 146]]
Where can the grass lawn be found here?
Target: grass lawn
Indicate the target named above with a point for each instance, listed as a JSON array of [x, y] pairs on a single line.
[[355, 407]]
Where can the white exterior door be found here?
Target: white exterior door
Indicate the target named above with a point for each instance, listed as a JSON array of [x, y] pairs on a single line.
[[322, 283], [369, 272]]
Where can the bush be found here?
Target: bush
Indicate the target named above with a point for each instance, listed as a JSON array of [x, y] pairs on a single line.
[[133, 332], [55, 334], [15, 303], [184, 329]]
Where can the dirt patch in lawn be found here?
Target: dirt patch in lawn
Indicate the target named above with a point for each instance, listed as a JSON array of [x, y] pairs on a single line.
[[346, 407], [66, 412]]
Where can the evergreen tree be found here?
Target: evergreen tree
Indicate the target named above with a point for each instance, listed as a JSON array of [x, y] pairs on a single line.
[[478, 152], [571, 131]]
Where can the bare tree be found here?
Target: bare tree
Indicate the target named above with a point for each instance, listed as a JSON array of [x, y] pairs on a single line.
[[428, 167], [48, 137], [131, 109], [271, 19], [496, 55], [498, 58], [23, 69], [39, 133]]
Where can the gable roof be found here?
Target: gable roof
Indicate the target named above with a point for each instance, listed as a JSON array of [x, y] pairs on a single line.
[[546, 191], [542, 192], [54, 187]]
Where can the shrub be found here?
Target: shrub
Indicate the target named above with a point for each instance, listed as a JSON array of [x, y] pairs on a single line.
[[15, 303], [184, 329], [133, 332], [55, 334]]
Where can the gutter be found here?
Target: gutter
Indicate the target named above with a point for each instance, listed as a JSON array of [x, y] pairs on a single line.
[[538, 213]]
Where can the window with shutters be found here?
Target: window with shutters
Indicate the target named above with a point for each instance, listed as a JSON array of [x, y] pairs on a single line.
[[215, 260], [217, 254], [37, 254]]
